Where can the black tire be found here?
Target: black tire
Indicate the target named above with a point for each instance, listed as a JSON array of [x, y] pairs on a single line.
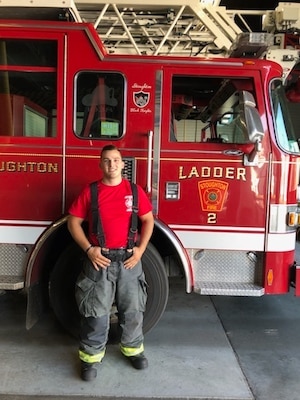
[[62, 286], [158, 287]]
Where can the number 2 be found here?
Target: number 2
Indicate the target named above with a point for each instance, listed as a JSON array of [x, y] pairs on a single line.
[[211, 218]]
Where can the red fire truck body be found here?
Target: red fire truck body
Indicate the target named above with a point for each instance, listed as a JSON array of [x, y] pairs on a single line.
[[208, 140]]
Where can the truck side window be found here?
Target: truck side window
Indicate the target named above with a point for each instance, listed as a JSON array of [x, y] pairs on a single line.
[[285, 103], [231, 129], [28, 94], [206, 109], [99, 105]]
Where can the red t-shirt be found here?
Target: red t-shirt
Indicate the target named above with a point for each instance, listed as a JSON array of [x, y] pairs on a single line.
[[115, 205]]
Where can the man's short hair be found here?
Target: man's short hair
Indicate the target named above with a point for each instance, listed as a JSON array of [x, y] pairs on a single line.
[[109, 147]]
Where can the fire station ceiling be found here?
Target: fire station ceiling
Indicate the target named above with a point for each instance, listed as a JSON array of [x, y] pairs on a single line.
[[52, 13], [42, 13], [157, 29], [253, 4]]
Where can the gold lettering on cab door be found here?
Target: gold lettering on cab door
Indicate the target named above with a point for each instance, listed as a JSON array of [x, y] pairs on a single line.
[[28, 166], [212, 187], [212, 172]]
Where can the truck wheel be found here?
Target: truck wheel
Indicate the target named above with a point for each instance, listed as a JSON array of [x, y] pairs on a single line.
[[62, 286]]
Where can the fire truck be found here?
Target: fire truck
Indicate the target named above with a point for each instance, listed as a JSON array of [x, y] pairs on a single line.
[[209, 137]]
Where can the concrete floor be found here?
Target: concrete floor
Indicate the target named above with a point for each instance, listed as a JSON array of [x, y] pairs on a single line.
[[212, 348], [265, 335], [189, 357]]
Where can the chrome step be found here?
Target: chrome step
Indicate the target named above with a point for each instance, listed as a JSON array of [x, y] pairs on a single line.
[[229, 289], [10, 282]]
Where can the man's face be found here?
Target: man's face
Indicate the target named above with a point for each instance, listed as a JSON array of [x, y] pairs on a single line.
[[111, 164]]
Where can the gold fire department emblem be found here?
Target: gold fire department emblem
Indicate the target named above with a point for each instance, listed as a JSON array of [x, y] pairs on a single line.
[[212, 194]]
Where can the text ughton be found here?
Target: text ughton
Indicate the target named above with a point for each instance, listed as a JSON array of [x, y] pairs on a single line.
[[28, 166]]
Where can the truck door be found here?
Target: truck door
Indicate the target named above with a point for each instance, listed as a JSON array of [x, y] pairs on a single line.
[[31, 165], [205, 186]]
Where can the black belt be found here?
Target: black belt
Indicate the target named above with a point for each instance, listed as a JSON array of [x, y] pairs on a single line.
[[120, 254]]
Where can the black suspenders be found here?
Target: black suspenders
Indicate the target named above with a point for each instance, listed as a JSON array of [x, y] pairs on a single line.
[[134, 217], [97, 227]]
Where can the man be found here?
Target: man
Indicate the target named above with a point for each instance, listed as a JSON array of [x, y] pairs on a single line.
[[111, 271]]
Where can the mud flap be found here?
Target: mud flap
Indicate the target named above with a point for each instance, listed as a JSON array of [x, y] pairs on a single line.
[[36, 305], [297, 281]]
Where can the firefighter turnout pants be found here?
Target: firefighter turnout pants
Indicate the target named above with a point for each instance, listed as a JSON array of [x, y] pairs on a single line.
[[95, 294]]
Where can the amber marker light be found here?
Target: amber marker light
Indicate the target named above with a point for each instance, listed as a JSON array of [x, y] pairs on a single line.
[[270, 277], [292, 218]]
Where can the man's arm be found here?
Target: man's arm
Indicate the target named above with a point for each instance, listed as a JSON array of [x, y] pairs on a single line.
[[78, 234], [146, 230], [147, 221]]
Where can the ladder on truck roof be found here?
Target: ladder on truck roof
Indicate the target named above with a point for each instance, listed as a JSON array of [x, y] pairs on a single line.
[[177, 27], [164, 27]]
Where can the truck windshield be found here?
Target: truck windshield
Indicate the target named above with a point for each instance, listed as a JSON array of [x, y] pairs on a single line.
[[285, 117]]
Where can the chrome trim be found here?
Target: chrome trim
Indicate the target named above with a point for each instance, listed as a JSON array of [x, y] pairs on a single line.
[[39, 244], [149, 162], [278, 218], [64, 127], [184, 258], [156, 141]]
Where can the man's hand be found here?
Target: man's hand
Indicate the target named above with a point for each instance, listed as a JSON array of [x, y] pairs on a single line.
[[132, 261], [147, 221], [97, 258]]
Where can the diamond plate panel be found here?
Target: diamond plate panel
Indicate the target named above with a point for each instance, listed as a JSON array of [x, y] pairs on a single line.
[[226, 266], [13, 259]]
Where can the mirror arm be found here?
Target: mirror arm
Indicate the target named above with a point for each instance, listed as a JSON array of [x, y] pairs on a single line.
[[251, 159]]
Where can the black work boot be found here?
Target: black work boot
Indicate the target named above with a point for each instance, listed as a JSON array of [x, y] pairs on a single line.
[[88, 371], [139, 361]]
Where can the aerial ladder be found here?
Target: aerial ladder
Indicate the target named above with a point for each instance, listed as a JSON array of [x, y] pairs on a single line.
[[160, 27], [176, 27]]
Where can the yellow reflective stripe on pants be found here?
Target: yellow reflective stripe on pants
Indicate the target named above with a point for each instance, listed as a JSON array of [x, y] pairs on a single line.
[[132, 351], [91, 358]]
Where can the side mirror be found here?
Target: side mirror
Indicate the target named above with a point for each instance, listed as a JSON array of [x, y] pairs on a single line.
[[251, 118]]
